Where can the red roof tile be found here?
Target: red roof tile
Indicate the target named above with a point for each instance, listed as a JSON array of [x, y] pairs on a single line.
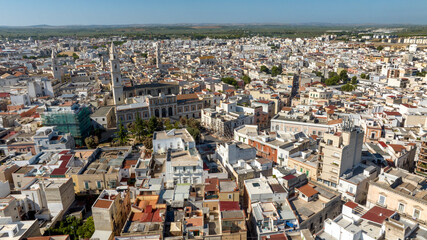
[[103, 203], [228, 206], [307, 190], [59, 171], [378, 214], [289, 177], [351, 204]]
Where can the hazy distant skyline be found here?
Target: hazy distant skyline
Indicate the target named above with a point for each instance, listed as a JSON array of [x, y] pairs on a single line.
[[108, 12]]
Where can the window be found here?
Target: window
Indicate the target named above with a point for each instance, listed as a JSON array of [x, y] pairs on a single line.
[[194, 168], [98, 184], [381, 200], [87, 185], [417, 213], [401, 207], [230, 196]]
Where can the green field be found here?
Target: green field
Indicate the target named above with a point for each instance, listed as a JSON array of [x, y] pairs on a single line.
[[199, 31]]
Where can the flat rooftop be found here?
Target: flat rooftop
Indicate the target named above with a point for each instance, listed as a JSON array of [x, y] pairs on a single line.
[[174, 133], [184, 158]]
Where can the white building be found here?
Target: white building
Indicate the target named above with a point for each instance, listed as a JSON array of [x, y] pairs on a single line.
[[47, 138], [40, 87], [183, 167], [176, 139], [258, 190], [176, 149]]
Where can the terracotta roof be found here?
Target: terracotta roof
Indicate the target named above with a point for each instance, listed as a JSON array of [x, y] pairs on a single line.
[[187, 96], [4, 95], [211, 185], [378, 214], [409, 106], [307, 190], [59, 171], [382, 144], [289, 177], [332, 122], [103, 203], [392, 113], [397, 147], [195, 221], [228, 206], [351, 204]]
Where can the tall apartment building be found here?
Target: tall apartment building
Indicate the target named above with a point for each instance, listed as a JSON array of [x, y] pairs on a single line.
[[110, 212], [421, 167], [338, 152]]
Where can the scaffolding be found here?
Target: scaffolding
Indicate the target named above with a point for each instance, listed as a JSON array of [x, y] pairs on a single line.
[[75, 122]]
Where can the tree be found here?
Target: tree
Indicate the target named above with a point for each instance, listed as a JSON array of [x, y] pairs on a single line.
[[74, 227], [332, 74], [87, 229], [195, 133], [354, 80], [137, 128], [318, 74], [380, 48], [276, 70], [122, 135], [231, 81], [92, 141], [363, 76], [332, 80], [348, 87], [343, 76], [148, 142], [168, 124], [154, 125], [193, 123], [75, 56], [264, 69], [183, 121], [246, 79], [421, 74]]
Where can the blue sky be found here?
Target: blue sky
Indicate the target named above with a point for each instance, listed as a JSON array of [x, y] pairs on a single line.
[[87, 12]]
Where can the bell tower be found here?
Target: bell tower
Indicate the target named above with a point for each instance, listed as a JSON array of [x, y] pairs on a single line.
[[158, 56], [56, 70], [116, 77]]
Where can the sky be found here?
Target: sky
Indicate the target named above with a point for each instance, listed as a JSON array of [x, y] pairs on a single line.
[[118, 12]]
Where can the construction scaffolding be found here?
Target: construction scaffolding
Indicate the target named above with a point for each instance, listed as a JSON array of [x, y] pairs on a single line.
[[76, 122]]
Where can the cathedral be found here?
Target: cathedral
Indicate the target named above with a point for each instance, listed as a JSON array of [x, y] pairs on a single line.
[[121, 93]]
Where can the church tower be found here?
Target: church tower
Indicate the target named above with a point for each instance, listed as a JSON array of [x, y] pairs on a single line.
[[158, 56], [116, 77], [56, 69]]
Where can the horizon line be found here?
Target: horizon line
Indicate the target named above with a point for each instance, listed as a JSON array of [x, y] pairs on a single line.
[[220, 24]]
